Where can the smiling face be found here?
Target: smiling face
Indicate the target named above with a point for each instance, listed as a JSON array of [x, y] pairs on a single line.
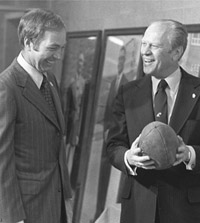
[[159, 59], [50, 49]]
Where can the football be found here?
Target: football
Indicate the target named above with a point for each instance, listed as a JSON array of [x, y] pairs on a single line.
[[160, 142]]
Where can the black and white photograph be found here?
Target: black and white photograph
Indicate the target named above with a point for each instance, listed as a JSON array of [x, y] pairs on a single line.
[[99, 111]]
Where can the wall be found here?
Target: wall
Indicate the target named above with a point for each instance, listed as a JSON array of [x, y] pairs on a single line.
[[96, 14]]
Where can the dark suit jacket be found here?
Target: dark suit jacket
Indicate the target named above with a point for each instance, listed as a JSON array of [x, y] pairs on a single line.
[[33, 165], [177, 189]]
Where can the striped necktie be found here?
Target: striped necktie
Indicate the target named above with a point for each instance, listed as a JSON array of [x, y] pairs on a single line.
[[46, 92]]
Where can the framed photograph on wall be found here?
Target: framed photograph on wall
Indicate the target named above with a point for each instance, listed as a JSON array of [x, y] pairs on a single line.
[[78, 83], [120, 62], [191, 58]]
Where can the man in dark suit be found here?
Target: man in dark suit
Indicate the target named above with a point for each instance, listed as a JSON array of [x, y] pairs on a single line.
[[150, 195], [34, 182]]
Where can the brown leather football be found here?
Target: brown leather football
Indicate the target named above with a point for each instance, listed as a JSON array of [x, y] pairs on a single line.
[[160, 142]]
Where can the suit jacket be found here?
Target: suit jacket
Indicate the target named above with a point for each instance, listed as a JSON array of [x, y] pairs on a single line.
[[33, 169], [176, 189]]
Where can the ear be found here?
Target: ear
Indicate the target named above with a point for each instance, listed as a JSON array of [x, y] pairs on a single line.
[[28, 44], [177, 53]]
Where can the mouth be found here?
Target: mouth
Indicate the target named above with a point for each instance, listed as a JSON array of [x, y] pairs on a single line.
[[47, 64], [148, 62], [50, 62]]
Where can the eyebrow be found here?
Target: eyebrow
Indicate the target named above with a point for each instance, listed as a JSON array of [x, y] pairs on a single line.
[[56, 45]]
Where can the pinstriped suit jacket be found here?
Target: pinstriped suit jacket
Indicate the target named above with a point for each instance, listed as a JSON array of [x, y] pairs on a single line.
[[32, 162]]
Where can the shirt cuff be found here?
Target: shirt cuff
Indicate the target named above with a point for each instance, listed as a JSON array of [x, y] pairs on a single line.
[[131, 171], [191, 164]]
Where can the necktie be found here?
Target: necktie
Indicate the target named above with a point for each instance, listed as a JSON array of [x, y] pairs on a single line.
[[161, 102], [46, 92]]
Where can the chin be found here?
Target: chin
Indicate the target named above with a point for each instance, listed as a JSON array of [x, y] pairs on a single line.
[[147, 72], [46, 69]]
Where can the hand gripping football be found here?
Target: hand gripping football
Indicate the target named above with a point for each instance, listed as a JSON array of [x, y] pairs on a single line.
[[160, 143]]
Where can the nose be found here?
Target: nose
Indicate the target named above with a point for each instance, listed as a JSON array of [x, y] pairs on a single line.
[[146, 49]]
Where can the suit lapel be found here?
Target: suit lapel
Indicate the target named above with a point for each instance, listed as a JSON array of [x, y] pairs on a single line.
[[188, 95], [57, 105], [32, 94]]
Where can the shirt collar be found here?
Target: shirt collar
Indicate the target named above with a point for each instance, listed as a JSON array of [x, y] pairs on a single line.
[[172, 80], [34, 74]]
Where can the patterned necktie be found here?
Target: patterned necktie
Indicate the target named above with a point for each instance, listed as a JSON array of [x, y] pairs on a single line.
[[161, 102], [46, 92]]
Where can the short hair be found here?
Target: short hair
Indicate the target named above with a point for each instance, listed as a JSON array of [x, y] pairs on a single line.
[[35, 22], [176, 32]]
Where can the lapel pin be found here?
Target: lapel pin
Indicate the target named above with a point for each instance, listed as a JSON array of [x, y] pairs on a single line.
[[193, 95], [158, 115], [51, 83]]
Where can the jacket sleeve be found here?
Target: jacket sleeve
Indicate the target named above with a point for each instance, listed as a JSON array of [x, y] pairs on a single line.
[[118, 142], [11, 207]]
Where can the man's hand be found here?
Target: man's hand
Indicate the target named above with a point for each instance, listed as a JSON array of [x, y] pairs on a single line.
[[183, 153], [136, 158]]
